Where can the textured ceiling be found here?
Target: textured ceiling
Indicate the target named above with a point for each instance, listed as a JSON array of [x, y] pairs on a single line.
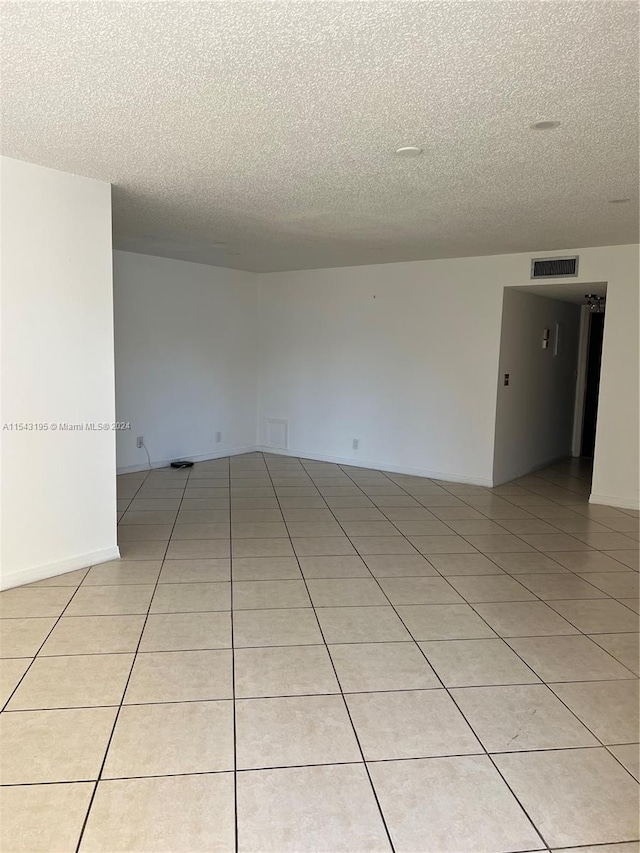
[[260, 135]]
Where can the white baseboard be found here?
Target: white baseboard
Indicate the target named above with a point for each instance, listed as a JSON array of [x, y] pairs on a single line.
[[379, 466], [60, 567], [201, 457], [609, 500]]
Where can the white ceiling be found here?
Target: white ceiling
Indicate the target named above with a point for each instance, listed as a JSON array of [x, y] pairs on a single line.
[[268, 128]]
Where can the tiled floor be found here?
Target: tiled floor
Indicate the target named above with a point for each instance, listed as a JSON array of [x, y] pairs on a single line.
[[297, 656]]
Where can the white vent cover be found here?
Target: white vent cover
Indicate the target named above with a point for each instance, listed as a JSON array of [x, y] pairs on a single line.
[[278, 433], [554, 267]]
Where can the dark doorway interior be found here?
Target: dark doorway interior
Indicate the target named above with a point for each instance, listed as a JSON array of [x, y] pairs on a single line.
[[594, 356]]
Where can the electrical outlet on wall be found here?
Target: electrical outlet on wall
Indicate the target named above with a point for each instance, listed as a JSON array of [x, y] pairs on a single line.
[[140, 441], [218, 437], [356, 443]]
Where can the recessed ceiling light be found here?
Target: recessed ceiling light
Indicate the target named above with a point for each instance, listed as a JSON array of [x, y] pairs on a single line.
[[545, 125], [619, 200], [409, 151]]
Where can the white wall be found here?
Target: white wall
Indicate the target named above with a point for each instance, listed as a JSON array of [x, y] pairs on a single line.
[[185, 359], [413, 372], [535, 412], [58, 487]]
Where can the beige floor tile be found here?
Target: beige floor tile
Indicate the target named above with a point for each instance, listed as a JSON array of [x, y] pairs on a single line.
[[34, 601], [262, 516], [588, 561], [73, 682], [123, 572], [490, 588], [265, 568], [410, 724], [399, 565], [587, 784], [524, 619], [323, 546], [457, 512], [210, 504], [377, 624], [315, 529], [399, 513], [294, 731], [315, 515], [419, 591], [607, 541], [498, 543], [551, 587], [616, 584], [443, 622], [53, 746], [180, 676], [627, 558], [219, 530], [451, 805], [628, 755], [142, 550], [345, 592], [568, 659], [191, 597], [261, 548], [144, 532], [153, 504], [474, 526], [372, 528], [284, 671], [171, 813], [124, 600], [258, 530], [464, 564], [186, 631], [600, 615], [297, 809], [90, 635], [518, 526], [157, 740], [208, 516], [66, 579], [43, 818], [195, 571], [623, 647], [555, 542], [196, 549], [452, 544], [290, 627], [156, 517], [520, 717], [608, 708], [369, 667], [260, 595], [23, 637], [529, 563], [625, 847], [11, 671], [474, 663], [631, 603], [334, 567]]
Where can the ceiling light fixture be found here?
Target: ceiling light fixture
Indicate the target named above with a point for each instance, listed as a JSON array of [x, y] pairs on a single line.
[[544, 125], [409, 151], [595, 304]]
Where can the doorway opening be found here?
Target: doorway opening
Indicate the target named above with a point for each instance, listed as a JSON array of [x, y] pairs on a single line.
[[549, 379]]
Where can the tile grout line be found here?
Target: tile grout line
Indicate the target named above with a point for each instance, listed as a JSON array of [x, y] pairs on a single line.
[[344, 701], [126, 686]]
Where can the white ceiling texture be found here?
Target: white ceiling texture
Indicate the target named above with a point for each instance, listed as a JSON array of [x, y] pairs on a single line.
[[261, 135]]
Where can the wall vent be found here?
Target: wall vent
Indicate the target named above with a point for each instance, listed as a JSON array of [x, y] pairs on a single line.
[[554, 267]]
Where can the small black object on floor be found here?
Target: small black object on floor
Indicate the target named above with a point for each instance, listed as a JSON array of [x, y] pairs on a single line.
[[182, 464]]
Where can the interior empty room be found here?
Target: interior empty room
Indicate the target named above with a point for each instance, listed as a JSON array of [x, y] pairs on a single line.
[[320, 426]]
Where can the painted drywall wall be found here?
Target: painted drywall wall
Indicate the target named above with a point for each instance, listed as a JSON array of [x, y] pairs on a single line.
[[185, 339], [535, 411], [58, 485], [404, 357]]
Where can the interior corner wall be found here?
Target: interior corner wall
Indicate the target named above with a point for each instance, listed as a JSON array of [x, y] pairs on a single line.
[[58, 476], [535, 411], [616, 460], [404, 357], [186, 350]]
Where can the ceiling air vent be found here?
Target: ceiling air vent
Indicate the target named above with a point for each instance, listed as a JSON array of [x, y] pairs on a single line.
[[554, 267]]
